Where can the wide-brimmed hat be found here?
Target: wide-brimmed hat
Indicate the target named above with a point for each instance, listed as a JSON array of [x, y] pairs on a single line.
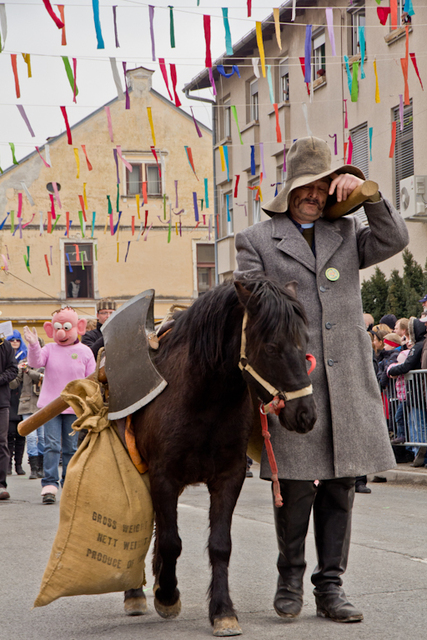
[[307, 160]]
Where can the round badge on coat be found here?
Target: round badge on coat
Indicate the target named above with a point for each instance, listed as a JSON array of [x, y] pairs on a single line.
[[332, 274]]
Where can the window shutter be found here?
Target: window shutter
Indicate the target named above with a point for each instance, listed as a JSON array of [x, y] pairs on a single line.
[[404, 149], [360, 159]]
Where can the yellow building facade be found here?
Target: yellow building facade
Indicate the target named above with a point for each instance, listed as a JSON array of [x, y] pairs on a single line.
[[147, 162]]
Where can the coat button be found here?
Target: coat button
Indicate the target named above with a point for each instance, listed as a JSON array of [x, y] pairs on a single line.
[[328, 325], [331, 362], [322, 289]]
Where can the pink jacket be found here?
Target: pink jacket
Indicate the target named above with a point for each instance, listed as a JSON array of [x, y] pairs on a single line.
[[62, 364], [400, 380]]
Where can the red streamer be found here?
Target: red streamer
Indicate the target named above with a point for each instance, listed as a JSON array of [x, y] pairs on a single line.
[[144, 192], [174, 81], [393, 139], [383, 13], [89, 166], [133, 225], [302, 63], [47, 264], [82, 204], [278, 131], [236, 186], [49, 222], [249, 3], [345, 114], [157, 160], [54, 17], [165, 75], [207, 28], [414, 62], [15, 73], [67, 126], [52, 202]]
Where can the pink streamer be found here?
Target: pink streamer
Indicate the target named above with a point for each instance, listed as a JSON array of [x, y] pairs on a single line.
[[110, 126], [172, 68], [55, 189], [42, 159], [146, 235], [165, 75], [199, 133], [29, 222], [125, 162], [350, 150], [54, 17], [52, 202], [345, 114], [211, 78], [19, 205], [75, 78]]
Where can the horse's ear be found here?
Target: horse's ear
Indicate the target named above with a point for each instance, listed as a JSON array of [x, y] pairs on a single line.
[[293, 287], [243, 294]]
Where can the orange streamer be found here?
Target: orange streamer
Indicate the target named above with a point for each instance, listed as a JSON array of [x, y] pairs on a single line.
[[15, 73], [393, 139]]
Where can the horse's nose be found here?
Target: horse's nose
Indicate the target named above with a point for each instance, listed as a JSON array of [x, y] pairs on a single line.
[[306, 420]]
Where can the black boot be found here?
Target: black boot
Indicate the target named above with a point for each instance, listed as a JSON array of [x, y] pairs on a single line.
[[9, 468], [291, 522], [33, 462], [40, 470], [19, 470], [19, 454], [332, 529]]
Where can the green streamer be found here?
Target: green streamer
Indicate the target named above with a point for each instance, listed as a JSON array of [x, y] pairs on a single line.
[[27, 263], [12, 147], [28, 254], [12, 221], [206, 193], [118, 199], [81, 223], [96, 252], [172, 27], [234, 112], [164, 206], [354, 83], [55, 223], [170, 229], [110, 208], [69, 73], [83, 264]]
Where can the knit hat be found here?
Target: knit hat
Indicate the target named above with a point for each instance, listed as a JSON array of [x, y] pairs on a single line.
[[390, 320], [307, 160], [393, 340], [105, 303]]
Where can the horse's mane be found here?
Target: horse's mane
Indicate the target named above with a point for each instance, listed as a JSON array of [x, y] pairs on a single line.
[[209, 325]]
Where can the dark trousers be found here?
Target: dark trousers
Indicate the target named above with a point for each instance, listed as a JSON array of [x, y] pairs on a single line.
[[4, 450], [16, 442], [332, 503]]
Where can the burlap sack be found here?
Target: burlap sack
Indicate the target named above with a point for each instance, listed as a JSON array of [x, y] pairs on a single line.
[[106, 513]]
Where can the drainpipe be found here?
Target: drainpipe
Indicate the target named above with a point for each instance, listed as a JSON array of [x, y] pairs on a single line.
[[214, 127]]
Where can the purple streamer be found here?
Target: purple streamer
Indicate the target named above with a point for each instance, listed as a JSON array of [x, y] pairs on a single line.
[[261, 148], [117, 165], [307, 54], [196, 208], [151, 14], [211, 78], [126, 86], [330, 21], [176, 194], [334, 135], [27, 122], [199, 133], [126, 256], [20, 227], [115, 29], [401, 110]]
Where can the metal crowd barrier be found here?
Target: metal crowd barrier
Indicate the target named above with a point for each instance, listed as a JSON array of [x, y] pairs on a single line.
[[405, 407]]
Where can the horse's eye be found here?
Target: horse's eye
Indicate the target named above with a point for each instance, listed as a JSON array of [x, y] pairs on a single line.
[[271, 349]]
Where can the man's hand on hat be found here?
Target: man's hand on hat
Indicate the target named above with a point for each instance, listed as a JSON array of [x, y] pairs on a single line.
[[343, 185]]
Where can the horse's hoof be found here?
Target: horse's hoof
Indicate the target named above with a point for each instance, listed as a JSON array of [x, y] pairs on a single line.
[[226, 627], [168, 612], [136, 606]]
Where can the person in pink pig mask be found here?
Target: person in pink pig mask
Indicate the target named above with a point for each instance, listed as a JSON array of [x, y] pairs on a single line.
[[64, 360]]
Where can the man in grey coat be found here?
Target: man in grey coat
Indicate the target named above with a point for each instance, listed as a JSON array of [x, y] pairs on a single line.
[[350, 436]]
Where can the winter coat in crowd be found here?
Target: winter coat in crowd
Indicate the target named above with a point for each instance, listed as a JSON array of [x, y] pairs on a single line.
[[390, 357], [94, 339], [417, 334], [8, 372], [31, 380]]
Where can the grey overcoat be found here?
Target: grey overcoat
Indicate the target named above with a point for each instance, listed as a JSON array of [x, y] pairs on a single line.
[[350, 435]]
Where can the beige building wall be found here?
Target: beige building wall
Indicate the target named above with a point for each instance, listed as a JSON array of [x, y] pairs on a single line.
[[320, 114], [152, 262]]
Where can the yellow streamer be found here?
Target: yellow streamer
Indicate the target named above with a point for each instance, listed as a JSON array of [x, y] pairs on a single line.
[[221, 153], [118, 251], [260, 193], [84, 195], [276, 14], [260, 46], [137, 205], [176, 228], [377, 89], [76, 154], [150, 119], [27, 59]]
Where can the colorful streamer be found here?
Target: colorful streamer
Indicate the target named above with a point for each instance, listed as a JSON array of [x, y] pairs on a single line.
[[125, 162], [25, 119], [377, 88], [172, 68], [222, 72], [27, 60], [225, 150], [15, 73], [350, 150], [116, 35], [76, 155], [278, 131], [42, 159], [393, 14], [116, 78], [190, 159], [362, 44], [153, 45], [162, 65], [234, 112], [354, 83], [196, 208], [3, 26], [371, 130], [228, 45], [404, 65], [12, 148], [334, 136], [258, 29], [212, 81], [54, 17], [82, 204], [255, 63], [249, 5], [126, 87], [393, 139], [270, 84], [302, 63], [236, 185], [276, 15], [99, 38], [330, 22], [414, 62], [67, 125], [205, 180], [199, 133], [70, 75], [150, 120], [207, 31], [19, 205], [383, 13], [47, 264], [171, 27], [93, 223], [253, 168], [89, 166], [307, 54], [401, 111], [349, 77], [61, 10], [110, 126]]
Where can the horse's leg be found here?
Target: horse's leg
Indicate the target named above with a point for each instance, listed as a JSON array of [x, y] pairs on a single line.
[[135, 602], [167, 549], [224, 493]]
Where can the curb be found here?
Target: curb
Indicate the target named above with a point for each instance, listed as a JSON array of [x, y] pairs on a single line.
[[399, 476]]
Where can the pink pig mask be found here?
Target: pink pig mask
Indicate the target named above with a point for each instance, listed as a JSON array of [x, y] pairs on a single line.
[[65, 327]]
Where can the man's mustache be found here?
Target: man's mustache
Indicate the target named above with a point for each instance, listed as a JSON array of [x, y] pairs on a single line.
[[311, 201]]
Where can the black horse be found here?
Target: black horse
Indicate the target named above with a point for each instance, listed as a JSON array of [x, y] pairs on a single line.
[[198, 429]]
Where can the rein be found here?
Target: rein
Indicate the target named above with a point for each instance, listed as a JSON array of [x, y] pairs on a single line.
[[275, 406]]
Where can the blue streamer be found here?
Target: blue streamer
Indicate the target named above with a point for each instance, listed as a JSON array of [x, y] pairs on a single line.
[[228, 45], [228, 207], [252, 159], [69, 263], [362, 44], [95, 7], [206, 193], [408, 8], [4, 221], [307, 53], [225, 149], [349, 76], [370, 142], [270, 83], [234, 69], [117, 223]]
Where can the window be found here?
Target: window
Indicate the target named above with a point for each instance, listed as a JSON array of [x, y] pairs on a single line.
[[283, 81], [141, 173], [402, 17], [357, 19], [205, 267], [254, 102], [319, 54], [404, 149], [360, 158], [227, 226], [78, 270], [227, 119]]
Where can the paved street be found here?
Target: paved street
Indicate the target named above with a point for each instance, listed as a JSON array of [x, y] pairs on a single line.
[[386, 578]]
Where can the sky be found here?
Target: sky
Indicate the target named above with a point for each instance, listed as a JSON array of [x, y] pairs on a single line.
[[30, 30]]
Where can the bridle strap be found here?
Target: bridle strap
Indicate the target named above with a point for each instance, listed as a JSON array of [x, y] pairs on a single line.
[[245, 366]]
